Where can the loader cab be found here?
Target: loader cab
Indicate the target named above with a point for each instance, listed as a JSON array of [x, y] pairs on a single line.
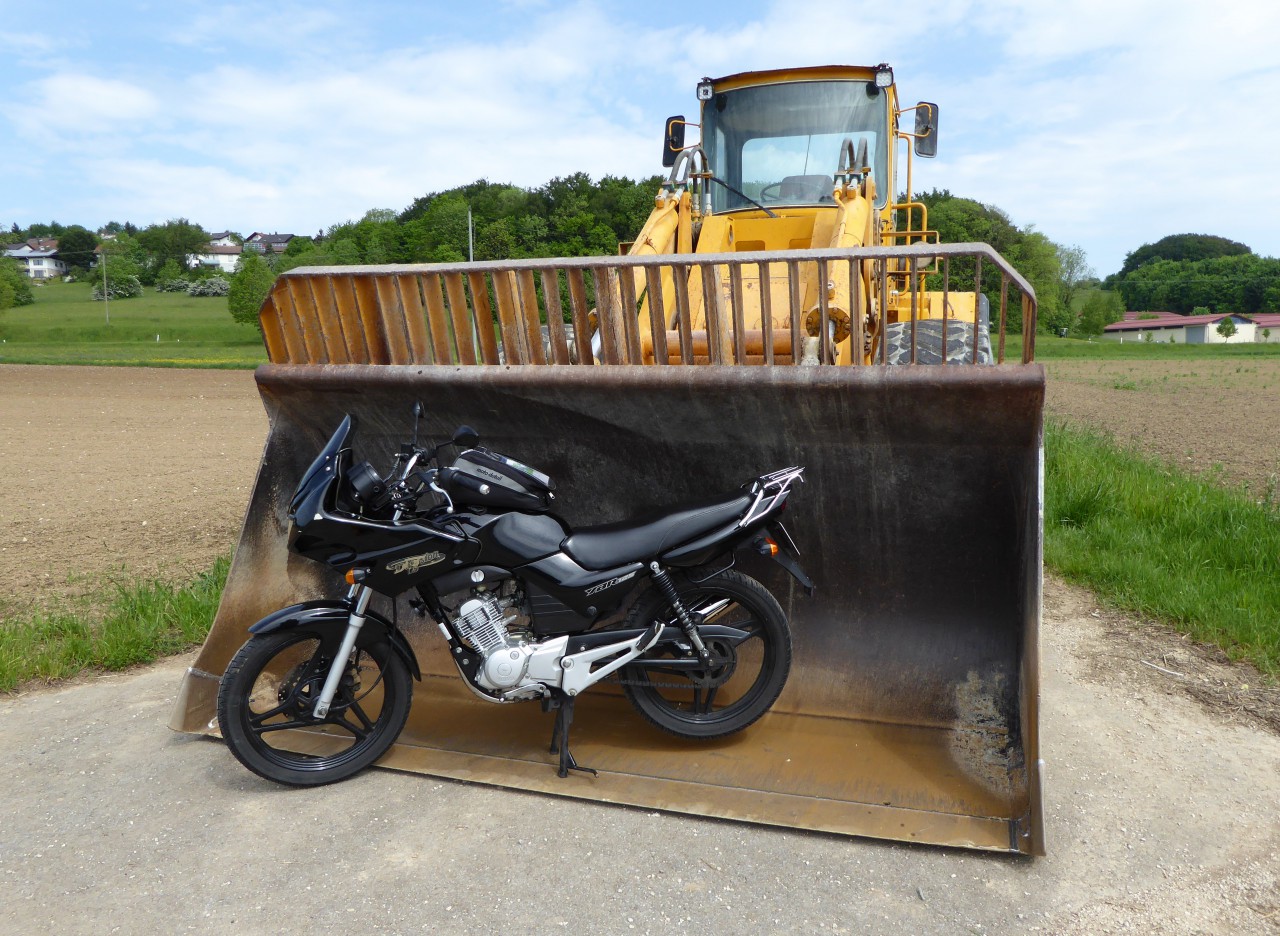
[[776, 137]]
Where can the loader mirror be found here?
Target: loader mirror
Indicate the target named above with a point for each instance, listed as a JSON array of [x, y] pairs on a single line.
[[673, 141], [465, 437], [926, 129]]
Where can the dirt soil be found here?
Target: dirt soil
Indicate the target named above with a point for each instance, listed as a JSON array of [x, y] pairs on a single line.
[[1162, 780], [121, 470], [1208, 415]]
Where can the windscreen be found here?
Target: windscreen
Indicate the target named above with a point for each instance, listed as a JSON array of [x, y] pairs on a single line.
[[780, 144]]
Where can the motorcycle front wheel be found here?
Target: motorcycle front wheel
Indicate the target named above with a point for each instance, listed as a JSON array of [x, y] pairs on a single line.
[[744, 680], [268, 694]]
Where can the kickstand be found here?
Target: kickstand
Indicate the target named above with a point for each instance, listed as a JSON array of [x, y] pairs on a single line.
[[560, 734]]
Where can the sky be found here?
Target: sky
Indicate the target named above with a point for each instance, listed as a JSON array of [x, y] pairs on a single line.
[[1105, 124]]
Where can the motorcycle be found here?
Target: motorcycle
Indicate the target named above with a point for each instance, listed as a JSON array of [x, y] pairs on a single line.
[[529, 606]]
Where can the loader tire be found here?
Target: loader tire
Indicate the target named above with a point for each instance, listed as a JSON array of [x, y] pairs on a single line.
[[929, 342], [267, 693], [712, 703]]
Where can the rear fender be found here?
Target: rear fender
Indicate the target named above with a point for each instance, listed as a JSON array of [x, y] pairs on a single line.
[[787, 555], [333, 616]]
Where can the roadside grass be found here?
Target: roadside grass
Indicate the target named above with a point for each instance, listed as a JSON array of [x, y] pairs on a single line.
[[139, 623], [1164, 544], [64, 326]]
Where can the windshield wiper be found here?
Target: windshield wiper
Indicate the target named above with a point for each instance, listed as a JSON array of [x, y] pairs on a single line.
[[742, 195]]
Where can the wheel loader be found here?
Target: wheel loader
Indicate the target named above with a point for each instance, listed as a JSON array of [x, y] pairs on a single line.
[[779, 306]]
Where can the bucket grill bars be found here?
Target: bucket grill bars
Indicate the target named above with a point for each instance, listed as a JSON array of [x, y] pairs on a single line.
[[546, 311]]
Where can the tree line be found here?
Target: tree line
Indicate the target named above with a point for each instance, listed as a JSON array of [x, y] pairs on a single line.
[[1186, 272], [576, 216]]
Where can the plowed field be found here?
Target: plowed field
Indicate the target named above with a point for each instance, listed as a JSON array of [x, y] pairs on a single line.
[[1219, 414]]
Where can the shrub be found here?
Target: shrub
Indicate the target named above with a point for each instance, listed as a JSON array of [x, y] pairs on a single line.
[[119, 287], [249, 288], [177, 284], [213, 286], [15, 287]]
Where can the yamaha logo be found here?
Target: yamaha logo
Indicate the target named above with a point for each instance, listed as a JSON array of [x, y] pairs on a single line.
[[594, 589], [414, 563]]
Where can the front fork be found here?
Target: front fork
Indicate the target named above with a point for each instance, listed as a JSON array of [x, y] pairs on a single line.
[[358, 599]]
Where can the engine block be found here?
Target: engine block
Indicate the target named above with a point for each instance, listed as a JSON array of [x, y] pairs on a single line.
[[480, 623], [506, 658]]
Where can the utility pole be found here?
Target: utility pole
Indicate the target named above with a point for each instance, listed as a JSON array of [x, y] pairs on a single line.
[[106, 289], [471, 241]]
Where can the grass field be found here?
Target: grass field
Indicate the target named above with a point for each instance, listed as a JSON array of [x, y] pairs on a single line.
[[1165, 544], [65, 326], [141, 622], [1049, 348]]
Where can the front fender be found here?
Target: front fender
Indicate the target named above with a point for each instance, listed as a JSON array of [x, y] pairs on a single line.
[[326, 615]]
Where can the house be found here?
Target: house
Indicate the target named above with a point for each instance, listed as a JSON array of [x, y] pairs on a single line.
[[1165, 327], [224, 257], [40, 257], [260, 242], [223, 239]]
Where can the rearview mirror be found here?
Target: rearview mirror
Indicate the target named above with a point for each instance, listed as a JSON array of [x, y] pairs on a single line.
[[673, 142], [926, 129], [465, 437]]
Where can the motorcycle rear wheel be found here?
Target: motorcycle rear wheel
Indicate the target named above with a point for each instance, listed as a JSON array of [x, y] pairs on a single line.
[[727, 697], [269, 690]]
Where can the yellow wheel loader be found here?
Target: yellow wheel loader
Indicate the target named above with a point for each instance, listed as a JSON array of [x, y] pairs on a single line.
[[778, 307]]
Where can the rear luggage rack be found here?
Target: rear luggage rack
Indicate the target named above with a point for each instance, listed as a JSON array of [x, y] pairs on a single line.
[[770, 488]]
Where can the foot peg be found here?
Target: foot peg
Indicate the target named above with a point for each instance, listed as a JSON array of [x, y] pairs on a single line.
[[560, 734]]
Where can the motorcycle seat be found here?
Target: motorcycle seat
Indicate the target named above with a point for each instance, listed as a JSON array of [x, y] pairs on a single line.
[[613, 544]]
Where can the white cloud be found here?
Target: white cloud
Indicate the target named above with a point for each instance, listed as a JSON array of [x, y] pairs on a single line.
[[1102, 123], [68, 105]]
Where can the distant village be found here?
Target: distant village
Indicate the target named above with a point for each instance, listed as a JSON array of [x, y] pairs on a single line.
[[40, 257]]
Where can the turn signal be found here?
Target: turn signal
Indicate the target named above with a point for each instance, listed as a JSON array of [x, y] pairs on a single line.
[[350, 576], [766, 546]]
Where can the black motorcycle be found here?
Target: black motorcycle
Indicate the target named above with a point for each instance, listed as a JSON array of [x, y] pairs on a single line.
[[531, 609]]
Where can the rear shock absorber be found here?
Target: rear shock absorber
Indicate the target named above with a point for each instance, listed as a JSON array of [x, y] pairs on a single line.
[[662, 579]]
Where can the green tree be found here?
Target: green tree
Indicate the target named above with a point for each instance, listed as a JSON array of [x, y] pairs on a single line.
[[120, 262], [1073, 272], [52, 229], [1099, 310], [1226, 328], [250, 287], [1036, 258], [963, 220], [1182, 247], [172, 277], [15, 287], [1237, 283], [76, 247], [176, 239]]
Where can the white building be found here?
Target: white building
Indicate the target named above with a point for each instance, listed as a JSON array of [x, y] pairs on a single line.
[[1169, 327], [1266, 327], [222, 256], [40, 257]]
